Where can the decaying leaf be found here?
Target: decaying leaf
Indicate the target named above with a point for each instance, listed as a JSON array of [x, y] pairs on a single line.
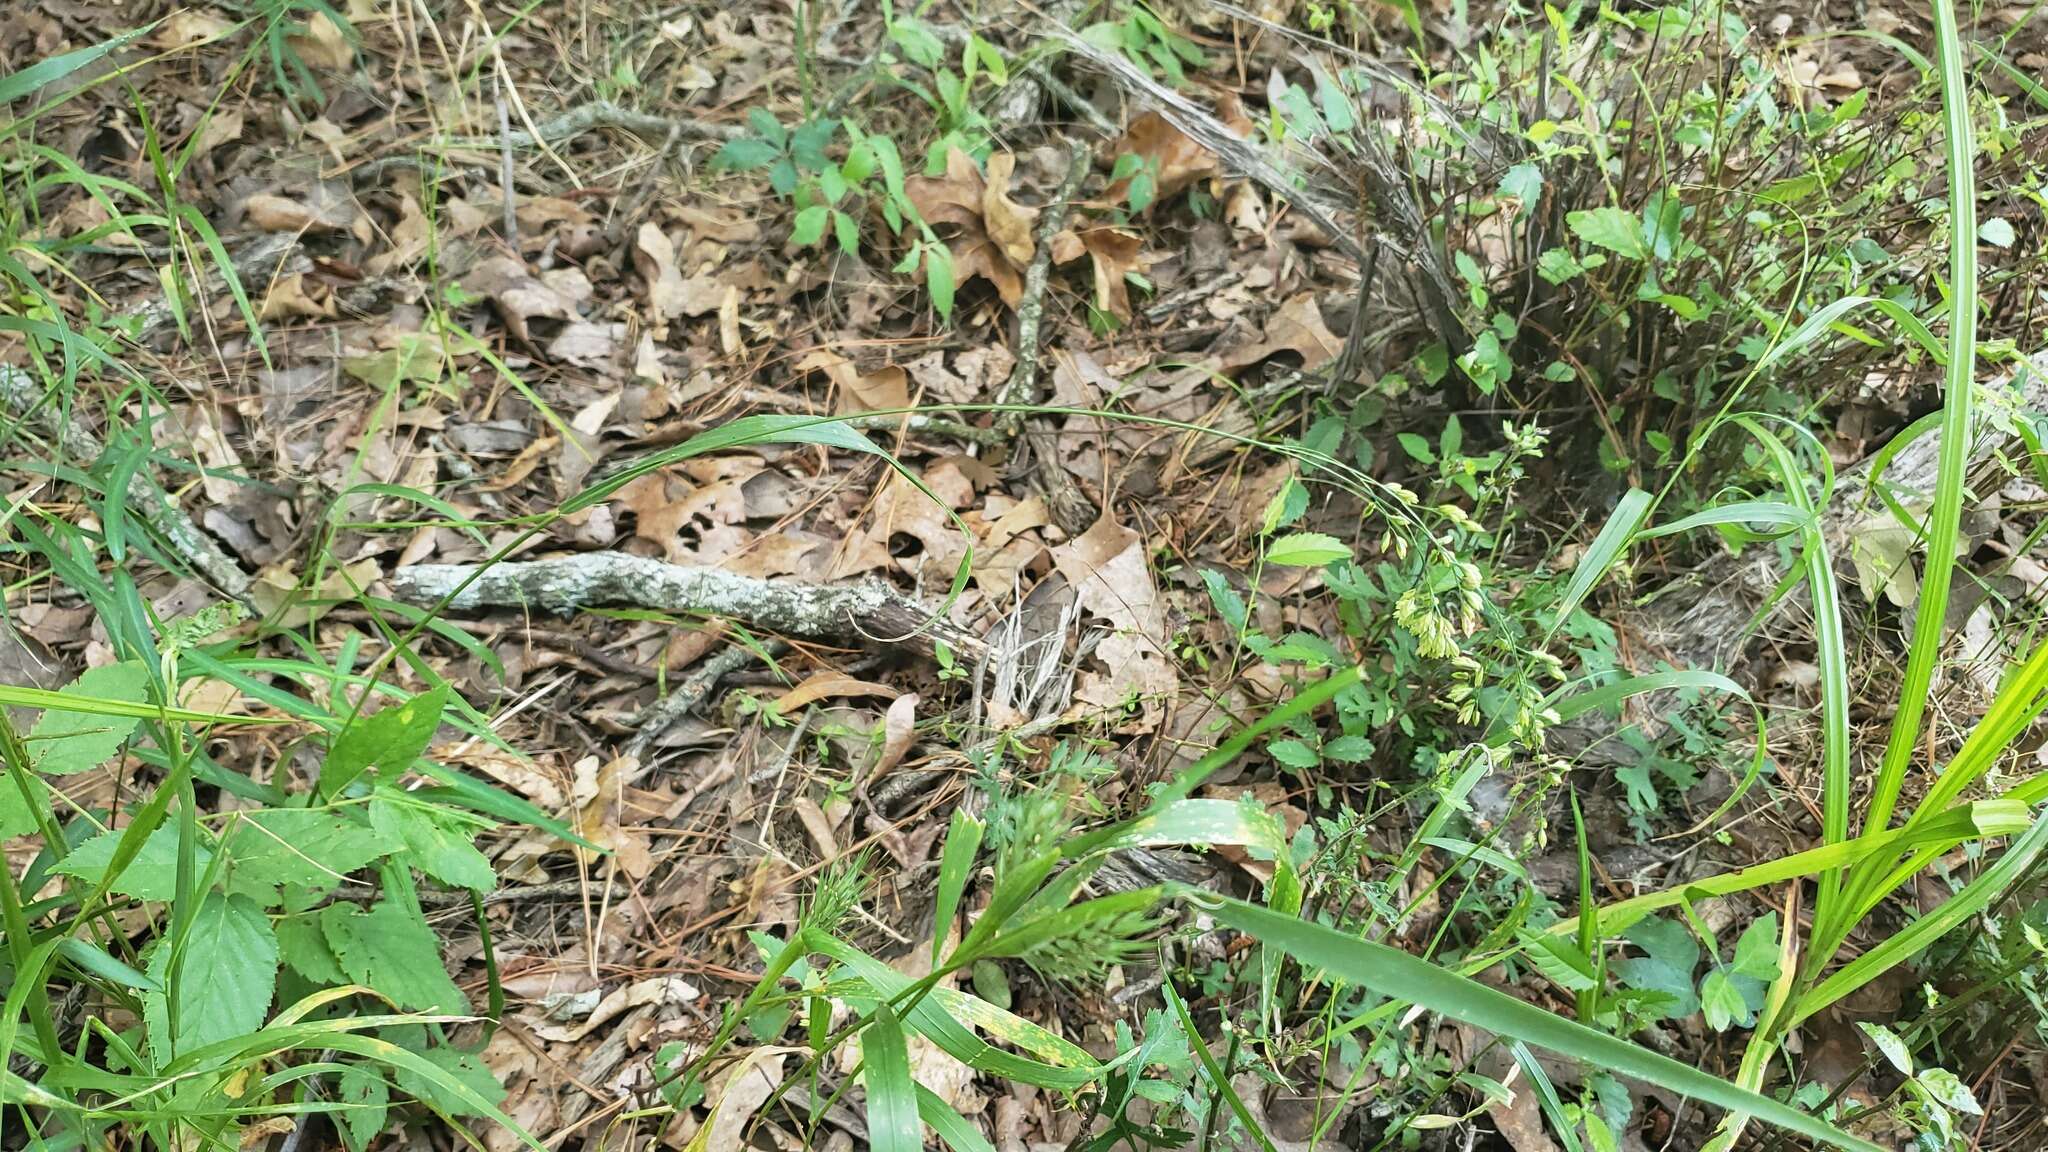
[[993, 238], [1296, 326], [886, 389], [1114, 253], [1172, 158], [1106, 566], [518, 295]]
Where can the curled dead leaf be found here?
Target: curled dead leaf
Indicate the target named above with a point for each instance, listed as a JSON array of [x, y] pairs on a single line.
[[1296, 326], [517, 294], [899, 727], [1114, 253]]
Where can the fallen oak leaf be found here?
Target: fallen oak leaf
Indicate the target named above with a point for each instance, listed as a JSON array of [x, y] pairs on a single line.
[[518, 296], [994, 239], [1172, 158]]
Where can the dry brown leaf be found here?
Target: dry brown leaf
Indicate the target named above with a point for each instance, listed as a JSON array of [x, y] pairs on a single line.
[[1008, 223], [1113, 253], [1296, 326], [588, 345], [655, 258], [710, 225], [886, 389], [189, 26], [518, 296], [322, 207], [1107, 569], [831, 686], [581, 451], [659, 991], [729, 322], [322, 44], [291, 295], [223, 126], [899, 727], [986, 241], [1173, 157], [745, 1089]]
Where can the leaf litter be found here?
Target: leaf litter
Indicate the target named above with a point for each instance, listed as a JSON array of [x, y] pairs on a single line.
[[413, 345]]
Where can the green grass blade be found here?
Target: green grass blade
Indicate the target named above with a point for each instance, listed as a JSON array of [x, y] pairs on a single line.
[[892, 1096], [1976, 896], [1396, 974], [1604, 552], [953, 1129], [1219, 1081], [43, 73], [1958, 426]]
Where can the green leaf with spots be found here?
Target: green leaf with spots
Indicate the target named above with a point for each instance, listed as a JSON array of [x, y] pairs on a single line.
[[390, 741]]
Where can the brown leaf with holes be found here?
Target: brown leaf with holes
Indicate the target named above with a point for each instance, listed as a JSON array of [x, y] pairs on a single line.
[[1114, 254]]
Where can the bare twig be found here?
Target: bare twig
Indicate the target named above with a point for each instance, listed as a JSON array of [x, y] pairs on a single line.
[[657, 718], [1022, 387], [869, 611]]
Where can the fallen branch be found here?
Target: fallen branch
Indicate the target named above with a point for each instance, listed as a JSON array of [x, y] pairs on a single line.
[[1070, 507], [866, 612], [657, 718]]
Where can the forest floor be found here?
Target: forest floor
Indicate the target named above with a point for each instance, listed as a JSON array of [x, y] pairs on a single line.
[[622, 490]]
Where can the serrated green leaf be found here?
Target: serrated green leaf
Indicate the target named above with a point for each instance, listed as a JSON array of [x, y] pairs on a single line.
[[227, 961], [460, 1067], [745, 154], [302, 946], [390, 948], [436, 844], [65, 742], [810, 225], [1611, 228], [368, 1105], [19, 814], [313, 847], [152, 875], [1293, 753], [1306, 550], [1348, 750]]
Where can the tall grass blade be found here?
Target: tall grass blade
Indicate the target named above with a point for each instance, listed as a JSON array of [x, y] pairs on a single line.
[[1396, 974]]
